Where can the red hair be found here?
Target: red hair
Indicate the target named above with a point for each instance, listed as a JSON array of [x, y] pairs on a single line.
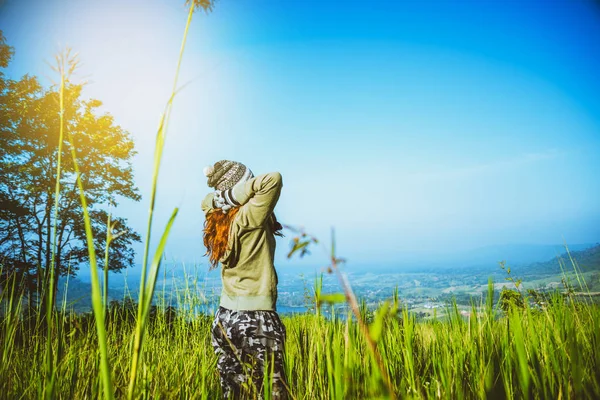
[[216, 234]]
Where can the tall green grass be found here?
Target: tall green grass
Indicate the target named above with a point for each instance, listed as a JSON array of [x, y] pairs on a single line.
[[146, 292], [532, 352]]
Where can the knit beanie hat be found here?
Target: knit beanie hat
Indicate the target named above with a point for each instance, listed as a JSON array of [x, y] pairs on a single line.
[[224, 174]]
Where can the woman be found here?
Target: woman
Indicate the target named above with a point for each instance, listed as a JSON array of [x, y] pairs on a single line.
[[239, 232]]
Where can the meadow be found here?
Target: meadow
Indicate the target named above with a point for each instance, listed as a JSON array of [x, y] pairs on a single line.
[[530, 352]]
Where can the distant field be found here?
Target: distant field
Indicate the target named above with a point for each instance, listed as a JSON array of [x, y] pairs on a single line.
[[296, 289]]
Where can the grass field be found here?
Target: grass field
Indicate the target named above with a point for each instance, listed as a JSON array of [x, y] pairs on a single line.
[[529, 353]]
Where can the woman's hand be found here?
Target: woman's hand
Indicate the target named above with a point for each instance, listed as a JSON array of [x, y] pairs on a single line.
[[225, 200]]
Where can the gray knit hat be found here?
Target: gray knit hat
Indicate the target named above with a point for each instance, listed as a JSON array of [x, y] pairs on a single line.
[[224, 174]]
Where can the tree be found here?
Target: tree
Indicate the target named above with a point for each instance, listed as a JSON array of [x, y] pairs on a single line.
[[29, 133]]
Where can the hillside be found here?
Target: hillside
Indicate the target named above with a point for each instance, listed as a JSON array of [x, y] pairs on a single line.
[[79, 294], [587, 260]]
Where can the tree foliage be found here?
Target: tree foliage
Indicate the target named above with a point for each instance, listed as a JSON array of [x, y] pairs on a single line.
[[29, 135]]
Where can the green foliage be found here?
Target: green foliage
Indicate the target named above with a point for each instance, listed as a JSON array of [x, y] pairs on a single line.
[[510, 299], [516, 282], [6, 52], [331, 298], [383, 313], [301, 241], [35, 160]]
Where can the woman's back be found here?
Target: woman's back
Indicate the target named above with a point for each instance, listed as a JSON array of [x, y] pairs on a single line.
[[248, 273]]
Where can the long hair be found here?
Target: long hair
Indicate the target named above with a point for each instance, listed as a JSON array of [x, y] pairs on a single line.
[[216, 233]]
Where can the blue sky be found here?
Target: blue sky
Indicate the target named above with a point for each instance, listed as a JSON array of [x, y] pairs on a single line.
[[410, 126]]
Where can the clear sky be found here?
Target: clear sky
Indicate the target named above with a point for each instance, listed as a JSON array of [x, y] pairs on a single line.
[[410, 126]]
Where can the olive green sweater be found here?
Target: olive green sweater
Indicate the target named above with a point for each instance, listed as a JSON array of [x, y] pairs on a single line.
[[248, 274]]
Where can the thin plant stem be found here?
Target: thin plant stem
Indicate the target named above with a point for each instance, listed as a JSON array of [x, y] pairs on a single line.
[[351, 298], [142, 313], [97, 306], [50, 364], [105, 280]]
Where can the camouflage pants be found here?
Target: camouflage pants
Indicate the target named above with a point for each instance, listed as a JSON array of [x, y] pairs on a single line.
[[247, 343]]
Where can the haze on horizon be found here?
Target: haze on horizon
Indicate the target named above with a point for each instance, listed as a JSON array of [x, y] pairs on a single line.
[[409, 127]]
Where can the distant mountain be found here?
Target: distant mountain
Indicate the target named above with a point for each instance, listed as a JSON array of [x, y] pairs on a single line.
[[79, 294], [586, 260], [481, 259], [514, 254]]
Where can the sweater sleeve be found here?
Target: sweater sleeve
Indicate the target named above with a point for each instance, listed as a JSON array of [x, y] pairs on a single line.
[[258, 197], [207, 203]]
